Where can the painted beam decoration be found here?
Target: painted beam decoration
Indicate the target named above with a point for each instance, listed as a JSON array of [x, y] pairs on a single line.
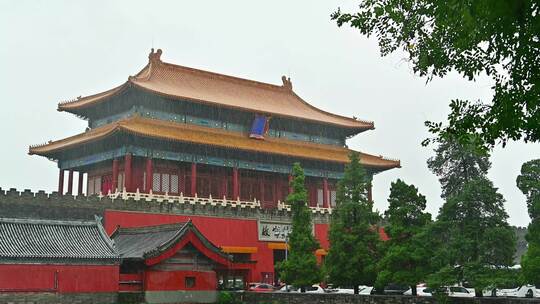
[[274, 231]]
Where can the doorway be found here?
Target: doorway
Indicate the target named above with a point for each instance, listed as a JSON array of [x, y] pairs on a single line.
[[279, 256]]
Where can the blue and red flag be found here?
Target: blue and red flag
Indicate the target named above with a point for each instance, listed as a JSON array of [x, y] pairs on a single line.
[[260, 126]]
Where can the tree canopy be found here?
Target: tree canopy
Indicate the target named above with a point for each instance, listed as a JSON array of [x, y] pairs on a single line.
[[353, 232], [407, 254], [300, 269], [500, 39], [529, 183], [456, 163]]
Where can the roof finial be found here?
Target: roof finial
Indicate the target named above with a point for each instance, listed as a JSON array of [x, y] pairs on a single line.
[[155, 57], [286, 82]]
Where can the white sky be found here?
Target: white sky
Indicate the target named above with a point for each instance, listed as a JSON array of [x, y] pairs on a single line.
[[57, 50]]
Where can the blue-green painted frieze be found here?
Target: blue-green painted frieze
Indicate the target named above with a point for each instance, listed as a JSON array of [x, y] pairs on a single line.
[[210, 123]]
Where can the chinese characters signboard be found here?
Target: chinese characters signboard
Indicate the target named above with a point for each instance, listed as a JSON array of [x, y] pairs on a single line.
[[274, 231]]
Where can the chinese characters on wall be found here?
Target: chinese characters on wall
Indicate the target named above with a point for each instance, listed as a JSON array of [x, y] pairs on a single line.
[[274, 231]]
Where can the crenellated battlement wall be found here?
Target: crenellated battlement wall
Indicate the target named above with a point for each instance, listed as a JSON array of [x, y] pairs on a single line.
[[40, 204]]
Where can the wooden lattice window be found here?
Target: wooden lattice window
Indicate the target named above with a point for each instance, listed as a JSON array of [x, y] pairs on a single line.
[[332, 198], [174, 183], [156, 182], [165, 183]]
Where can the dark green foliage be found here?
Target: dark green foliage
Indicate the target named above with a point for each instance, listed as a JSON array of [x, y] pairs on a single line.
[[474, 236], [457, 163], [226, 297], [471, 235], [353, 234], [529, 183], [300, 269], [499, 39], [407, 254]]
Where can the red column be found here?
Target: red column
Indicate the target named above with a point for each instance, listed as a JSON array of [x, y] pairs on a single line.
[[370, 192], [274, 190], [261, 189], [223, 188], [80, 185], [149, 175], [290, 181], [193, 179], [235, 183], [127, 172], [70, 182], [277, 185], [61, 182], [115, 176], [325, 193]]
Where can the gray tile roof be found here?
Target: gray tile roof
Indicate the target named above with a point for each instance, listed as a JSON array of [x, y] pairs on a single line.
[[136, 242], [150, 241], [46, 241]]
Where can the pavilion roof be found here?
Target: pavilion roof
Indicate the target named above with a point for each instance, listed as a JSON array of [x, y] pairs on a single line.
[[140, 241], [174, 131], [152, 241], [46, 241], [184, 83]]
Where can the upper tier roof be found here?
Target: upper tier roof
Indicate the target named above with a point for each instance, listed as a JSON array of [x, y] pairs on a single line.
[[179, 82], [47, 240], [167, 130]]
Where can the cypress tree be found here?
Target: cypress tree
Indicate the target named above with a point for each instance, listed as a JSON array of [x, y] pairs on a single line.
[[300, 269], [471, 233], [407, 254], [353, 233]]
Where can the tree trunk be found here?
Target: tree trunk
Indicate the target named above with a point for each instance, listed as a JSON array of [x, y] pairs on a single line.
[[478, 293], [356, 289], [413, 289]]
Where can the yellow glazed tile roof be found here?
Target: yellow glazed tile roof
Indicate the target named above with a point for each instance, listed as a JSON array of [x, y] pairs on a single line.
[[179, 82], [212, 137]]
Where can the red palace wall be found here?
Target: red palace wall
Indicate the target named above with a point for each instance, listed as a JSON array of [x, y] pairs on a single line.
[[220, 231], [60, 278], [175, 280]]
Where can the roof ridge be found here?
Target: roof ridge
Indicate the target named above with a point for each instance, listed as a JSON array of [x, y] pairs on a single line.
[[48, 222], [354, 118], [112, 126], [225, 76], [108, 240], [151, 228], [80, 97]]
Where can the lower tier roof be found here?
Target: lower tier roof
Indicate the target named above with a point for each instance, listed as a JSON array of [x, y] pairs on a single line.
[[40, 241], [189, 133]]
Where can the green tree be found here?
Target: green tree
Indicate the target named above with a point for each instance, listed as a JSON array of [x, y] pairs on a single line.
[[473, 237], [529, 183], [499, 39], [456, 163], [407, 254], [353, 232], [300, 269]]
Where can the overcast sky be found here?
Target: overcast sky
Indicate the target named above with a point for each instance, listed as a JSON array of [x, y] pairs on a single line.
[[57, 50]]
